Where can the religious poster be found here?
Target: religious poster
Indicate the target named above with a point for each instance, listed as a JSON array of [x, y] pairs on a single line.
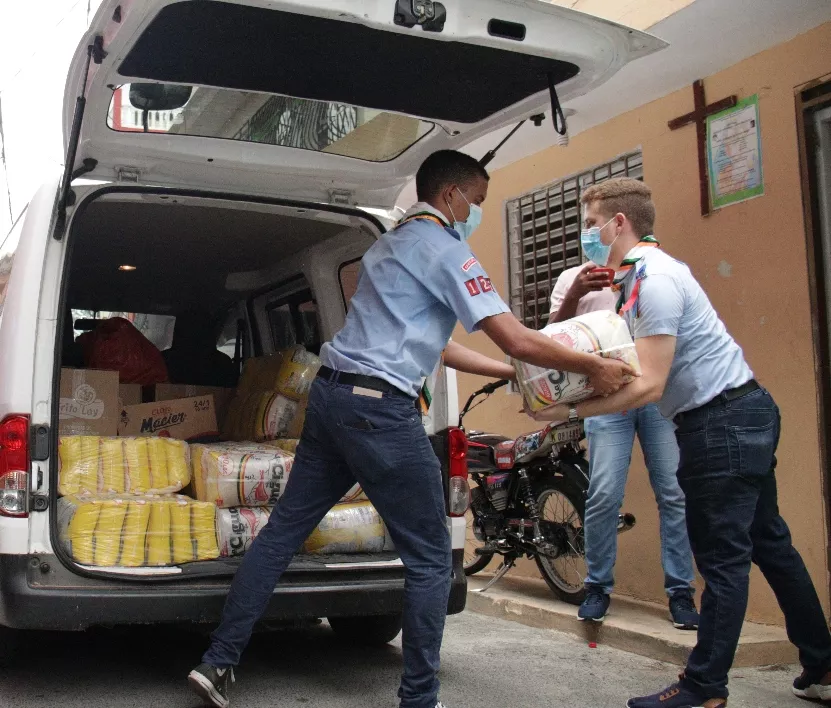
[[734, 154]]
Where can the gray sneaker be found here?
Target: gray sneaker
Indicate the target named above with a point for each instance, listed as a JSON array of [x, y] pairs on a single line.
[[211, 684]]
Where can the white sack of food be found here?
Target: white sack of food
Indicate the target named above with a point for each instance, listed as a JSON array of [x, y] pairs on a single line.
[[237, 528], [602, 332], [242, 475]]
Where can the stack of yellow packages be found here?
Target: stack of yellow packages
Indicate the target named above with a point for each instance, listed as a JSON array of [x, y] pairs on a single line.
[[100, 465], [118, 506], [140, 530]]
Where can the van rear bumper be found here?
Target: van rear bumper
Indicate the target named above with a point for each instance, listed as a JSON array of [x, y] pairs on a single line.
[[37, 592]]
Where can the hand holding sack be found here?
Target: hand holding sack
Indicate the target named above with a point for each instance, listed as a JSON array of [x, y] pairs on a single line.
[[603, 333]]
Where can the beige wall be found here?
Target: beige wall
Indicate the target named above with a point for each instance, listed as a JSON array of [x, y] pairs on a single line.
[[751, 260]]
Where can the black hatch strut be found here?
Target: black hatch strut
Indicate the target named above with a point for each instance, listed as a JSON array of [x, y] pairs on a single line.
[[558, 116], [66, 198]]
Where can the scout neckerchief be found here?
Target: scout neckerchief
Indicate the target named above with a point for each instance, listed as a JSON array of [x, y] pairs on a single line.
[[632, 259], [425, 398]]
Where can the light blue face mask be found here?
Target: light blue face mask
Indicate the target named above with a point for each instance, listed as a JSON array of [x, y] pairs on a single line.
[[593, 248], [466, 228]]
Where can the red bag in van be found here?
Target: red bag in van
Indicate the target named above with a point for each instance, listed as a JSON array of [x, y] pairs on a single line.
[[116, 345]]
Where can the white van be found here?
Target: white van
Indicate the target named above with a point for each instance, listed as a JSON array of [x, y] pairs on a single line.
[[239, 157]]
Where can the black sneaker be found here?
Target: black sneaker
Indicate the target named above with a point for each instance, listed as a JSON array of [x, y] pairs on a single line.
[[594, 607], [211, 684], [683, 611], [813, 685], [676, 696]]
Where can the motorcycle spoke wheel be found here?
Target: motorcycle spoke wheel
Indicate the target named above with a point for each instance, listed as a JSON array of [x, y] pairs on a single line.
[[473, 562], [566, 573]]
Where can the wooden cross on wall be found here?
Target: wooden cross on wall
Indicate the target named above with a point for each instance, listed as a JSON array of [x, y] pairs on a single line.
[[699, 117]]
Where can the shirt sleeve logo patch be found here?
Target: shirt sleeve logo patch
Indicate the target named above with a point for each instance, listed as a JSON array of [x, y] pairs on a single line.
[[478, 285], [468, 264]]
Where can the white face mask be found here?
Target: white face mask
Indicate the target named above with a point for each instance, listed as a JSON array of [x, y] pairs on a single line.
[[466, 228]]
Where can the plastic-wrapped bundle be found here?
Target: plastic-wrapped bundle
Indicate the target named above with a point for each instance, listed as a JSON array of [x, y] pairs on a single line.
[[601, 332], [103, 465], [274, 414], [295, 427], [237, 528], [260, 373], [132, 531], [297, 373], [349, 528], [242, 474]]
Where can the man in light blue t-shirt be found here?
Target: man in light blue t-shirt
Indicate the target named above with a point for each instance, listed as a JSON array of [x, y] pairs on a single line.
[[416, 283], [727, 427]]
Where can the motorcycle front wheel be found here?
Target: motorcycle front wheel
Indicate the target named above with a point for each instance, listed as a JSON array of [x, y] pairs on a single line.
[[562, 508]]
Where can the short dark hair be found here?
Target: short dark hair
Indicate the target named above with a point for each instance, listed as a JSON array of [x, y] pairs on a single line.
[[446, 167]]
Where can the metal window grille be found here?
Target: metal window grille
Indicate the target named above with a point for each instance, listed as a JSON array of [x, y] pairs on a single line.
[[543, 229]]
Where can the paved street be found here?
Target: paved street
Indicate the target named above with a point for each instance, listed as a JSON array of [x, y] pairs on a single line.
[[486, 663]]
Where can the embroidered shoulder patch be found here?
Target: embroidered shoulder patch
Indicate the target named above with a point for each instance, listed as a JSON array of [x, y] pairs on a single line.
[[468, 264]]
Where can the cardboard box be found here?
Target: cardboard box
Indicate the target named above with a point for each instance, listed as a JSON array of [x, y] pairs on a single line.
[[168, 392], [184, 419], [129, 395], [88, 402]]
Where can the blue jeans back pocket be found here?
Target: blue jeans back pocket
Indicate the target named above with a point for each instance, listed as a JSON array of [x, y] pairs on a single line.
[[751, 449]]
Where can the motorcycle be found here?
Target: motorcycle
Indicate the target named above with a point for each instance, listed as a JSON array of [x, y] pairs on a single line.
[[528, 498]]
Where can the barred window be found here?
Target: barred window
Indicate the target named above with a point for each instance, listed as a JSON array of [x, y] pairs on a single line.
[[543, 228]]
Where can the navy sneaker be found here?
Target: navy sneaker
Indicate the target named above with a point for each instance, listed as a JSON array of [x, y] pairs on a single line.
[[594, 607], [211, 684], [676, 696], [683, 612], [813, 685]]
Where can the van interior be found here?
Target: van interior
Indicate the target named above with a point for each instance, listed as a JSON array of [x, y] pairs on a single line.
[[213, 282]]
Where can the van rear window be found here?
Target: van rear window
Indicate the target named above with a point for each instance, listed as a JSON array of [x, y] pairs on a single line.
[[237, 46], [336, 128], [157, 328]]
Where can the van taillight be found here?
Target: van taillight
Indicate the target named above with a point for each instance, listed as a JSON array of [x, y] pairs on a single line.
[[14, 465], [459, 489]]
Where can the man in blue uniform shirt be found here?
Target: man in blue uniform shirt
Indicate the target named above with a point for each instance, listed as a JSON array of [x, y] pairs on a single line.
[[727, 432], [415, 284]]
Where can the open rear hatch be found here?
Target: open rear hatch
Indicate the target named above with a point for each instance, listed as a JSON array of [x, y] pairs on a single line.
[[320, 100]]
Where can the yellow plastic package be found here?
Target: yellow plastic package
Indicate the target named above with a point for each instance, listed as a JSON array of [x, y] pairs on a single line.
[[297, 373], [113, 465], [349, 528], [132, 531]]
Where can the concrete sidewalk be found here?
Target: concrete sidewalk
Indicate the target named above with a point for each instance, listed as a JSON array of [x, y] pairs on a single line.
[[638, 627]]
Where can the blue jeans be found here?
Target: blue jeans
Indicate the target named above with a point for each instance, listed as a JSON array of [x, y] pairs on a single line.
[[397, 468], [727, 472], [610, 453]]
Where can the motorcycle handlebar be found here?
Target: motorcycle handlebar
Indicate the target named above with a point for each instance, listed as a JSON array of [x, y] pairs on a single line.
[[487, 389]]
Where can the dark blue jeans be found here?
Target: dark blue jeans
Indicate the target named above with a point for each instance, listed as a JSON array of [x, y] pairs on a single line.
[[727, 475], [397, 468]]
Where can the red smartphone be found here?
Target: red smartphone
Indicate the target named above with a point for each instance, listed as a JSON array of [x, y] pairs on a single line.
[[608, 272]]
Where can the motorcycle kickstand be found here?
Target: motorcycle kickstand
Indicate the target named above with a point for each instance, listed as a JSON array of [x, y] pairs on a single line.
[[507, 564]]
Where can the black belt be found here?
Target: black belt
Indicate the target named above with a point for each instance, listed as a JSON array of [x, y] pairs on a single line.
[[371, 382], [724, 397]]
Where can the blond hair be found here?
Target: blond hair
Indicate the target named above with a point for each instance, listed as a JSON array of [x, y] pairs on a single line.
[[627, 196]]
